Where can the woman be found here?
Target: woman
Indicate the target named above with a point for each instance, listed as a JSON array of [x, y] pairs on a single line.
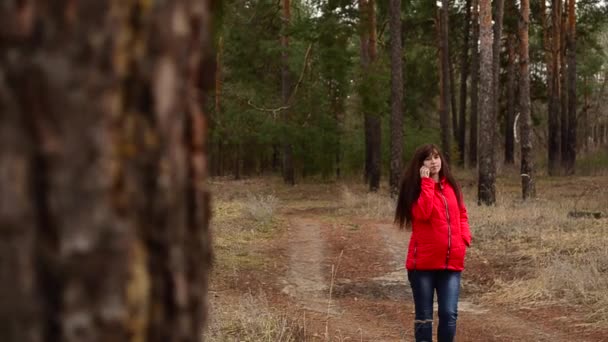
[[430, 201]]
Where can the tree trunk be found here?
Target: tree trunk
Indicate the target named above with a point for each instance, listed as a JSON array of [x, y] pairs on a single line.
[[552, 52], [453, 104], [585, 116], [444, 80], [464, 74], [396, 97], [288, 169], [511, 93], [375, 127], [216, 158], [365, 63], [487, 166], [103, 208], [474, 85], [498, 20], [571, 59], [563, 90], [527, 165]]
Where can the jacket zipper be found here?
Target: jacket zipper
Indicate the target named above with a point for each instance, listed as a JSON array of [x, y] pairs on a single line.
[[415, 252], [447, 212]]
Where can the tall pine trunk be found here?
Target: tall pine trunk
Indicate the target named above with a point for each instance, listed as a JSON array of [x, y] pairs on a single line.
[[444, 79], [551, 44], [375, 127], [464, 74], [571, 61], [487, 167], [511, 93], [498, 21], [563, 84], [288, 168], [367, 11], [104, 206], [396, 97], [216, 158], [365, 64], [473, 140], [527, 165]]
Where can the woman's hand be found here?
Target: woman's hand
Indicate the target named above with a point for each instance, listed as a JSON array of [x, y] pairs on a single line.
[[425, 172]]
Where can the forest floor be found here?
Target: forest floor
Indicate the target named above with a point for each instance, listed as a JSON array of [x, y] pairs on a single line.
[[321, 261]]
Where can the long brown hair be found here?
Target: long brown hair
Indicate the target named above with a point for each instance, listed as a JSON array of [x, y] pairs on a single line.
[[410, 183]]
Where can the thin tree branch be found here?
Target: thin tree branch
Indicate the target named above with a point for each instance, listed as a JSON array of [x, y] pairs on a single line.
[[276, 110]]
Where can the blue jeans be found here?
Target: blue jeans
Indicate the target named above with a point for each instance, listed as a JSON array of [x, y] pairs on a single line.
[[424, 284]]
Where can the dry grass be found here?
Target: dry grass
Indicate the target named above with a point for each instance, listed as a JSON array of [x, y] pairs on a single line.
[[356, 201], [250, 320], [536, 252], [556, 259], [261, 208]]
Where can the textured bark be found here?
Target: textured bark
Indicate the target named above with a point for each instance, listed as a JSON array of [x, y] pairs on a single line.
[[103, 209], [571, 61], [288, 167], [511, 92], [487, 122], [444, 79], [396, 97], [527, 165], [551, 44], [474, 85], [464, 74]]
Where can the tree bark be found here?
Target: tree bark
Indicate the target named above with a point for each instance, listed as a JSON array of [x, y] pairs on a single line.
[[104, 209], [527, 165], [571, 60], [511, 93], [487, 166], [474, 85], [396, 97], [288, 168], [444, 80], [464, 74]]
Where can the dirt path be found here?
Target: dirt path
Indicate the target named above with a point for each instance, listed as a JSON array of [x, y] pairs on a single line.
[[305, 280], [371, 299]]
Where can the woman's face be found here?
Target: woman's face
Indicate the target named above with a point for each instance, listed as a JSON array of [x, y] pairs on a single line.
[[433, 162]]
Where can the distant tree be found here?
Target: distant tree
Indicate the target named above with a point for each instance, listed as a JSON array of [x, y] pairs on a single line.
[[396, 141], [473, 127], [511, 93], [288, 167], [487, 165], [551, 45], [499, 6], [464, 74], [571, 80], [373, 128], [444, 78], [527, 164]]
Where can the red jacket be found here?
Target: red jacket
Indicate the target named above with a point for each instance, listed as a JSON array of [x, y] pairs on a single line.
[[440, 229]]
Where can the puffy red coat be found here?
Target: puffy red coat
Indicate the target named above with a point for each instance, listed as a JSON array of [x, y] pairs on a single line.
[[440, 229]]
